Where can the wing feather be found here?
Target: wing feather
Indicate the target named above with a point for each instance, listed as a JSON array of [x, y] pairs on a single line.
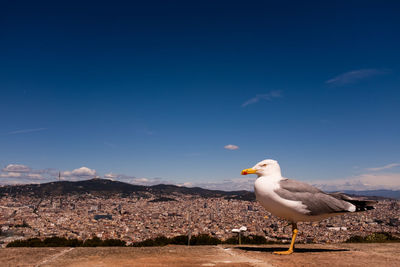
[[316, 201]]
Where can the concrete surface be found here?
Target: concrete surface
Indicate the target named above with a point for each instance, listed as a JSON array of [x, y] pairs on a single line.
[[306, 255]]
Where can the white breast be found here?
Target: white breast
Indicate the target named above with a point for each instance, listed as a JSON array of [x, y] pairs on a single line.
[[288, 209]]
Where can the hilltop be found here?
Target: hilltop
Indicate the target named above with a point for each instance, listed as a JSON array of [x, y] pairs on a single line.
[[377, 194], [106, 187]]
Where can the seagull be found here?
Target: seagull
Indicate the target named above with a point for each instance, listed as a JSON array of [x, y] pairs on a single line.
[[297, 201]]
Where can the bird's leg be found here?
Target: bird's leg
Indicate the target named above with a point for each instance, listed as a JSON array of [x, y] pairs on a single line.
[[291, 248]]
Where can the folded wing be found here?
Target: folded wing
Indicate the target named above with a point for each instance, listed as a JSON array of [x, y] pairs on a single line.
[[319, 202]]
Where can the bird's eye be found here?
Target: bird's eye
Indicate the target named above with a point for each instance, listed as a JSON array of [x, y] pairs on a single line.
[[264, 165]]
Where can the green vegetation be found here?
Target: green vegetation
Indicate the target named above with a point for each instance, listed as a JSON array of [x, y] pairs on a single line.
[[373, 238], [204, 239], [201, 239], [197, 240], [251, 239], [97, 242]]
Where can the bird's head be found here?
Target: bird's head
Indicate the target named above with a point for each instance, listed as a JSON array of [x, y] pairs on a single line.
[[266, 167]]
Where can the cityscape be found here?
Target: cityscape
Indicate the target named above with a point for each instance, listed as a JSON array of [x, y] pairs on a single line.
[[138, 217]]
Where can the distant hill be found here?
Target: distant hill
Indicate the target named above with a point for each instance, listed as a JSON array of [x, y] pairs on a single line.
[[104, 187], [94, 186], [375, 193]]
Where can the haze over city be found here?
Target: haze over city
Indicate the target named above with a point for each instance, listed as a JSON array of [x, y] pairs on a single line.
[[192, 93]]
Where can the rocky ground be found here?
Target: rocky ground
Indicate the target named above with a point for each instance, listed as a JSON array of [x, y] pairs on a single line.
[[306, 255]]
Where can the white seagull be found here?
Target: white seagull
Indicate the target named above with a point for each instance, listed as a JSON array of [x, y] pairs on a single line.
[[296, 201]]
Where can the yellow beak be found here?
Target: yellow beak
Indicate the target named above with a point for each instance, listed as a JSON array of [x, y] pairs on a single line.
[[248, 171]]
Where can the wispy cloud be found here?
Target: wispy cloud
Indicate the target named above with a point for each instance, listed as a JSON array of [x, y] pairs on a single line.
[[231, 147], [268, 96], [386, 167], [354, 76], [27, 131]]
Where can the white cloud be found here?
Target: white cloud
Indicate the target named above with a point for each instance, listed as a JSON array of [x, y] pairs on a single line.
[[268, 96], [11, 175], [119, 177], [354, 76], [80, 172], [21, 175], [388, 166], [187, 184], [231, 147], [19, 172], [84, 171], [16, 168], [34, 176], [368, 181], [134, 180], [111, 176], [141, 180], [18, 181]]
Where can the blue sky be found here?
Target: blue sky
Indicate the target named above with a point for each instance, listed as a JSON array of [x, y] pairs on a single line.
[[153, 92]]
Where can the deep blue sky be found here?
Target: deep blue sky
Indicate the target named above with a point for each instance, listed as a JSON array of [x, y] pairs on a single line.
[[158, 89]]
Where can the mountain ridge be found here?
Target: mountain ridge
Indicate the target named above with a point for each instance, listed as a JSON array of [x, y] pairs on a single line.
[[374, 193], [98, 186]]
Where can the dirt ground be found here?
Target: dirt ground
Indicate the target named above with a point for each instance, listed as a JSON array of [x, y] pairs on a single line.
[[305, 255]]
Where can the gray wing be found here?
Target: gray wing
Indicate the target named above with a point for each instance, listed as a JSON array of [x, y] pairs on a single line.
[[316, 201]]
